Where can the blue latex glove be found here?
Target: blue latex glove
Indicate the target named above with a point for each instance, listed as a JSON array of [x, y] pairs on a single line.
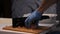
[[35, 16]]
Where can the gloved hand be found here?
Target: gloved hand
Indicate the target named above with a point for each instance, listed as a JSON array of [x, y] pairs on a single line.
[[35, 16]]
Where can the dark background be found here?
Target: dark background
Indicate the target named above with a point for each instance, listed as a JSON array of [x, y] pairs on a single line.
[[58, 9], [5, 9]]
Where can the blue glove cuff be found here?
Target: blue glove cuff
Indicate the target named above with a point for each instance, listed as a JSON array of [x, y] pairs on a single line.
[[38, 14]]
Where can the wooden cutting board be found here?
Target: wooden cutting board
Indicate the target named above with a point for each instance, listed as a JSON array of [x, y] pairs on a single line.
[[23, 29]]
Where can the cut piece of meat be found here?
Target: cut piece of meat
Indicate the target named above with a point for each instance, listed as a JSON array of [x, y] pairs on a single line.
[[20, 21]]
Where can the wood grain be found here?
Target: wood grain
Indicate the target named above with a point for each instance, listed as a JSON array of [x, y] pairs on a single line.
[[23, 29]]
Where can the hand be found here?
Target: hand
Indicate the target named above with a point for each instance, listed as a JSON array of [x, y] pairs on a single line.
[[35, 16]]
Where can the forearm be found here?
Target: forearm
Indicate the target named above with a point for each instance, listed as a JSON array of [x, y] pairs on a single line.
[[45, 5]]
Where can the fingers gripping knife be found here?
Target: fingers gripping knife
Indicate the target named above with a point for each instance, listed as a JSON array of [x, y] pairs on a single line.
[[20, 21]]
